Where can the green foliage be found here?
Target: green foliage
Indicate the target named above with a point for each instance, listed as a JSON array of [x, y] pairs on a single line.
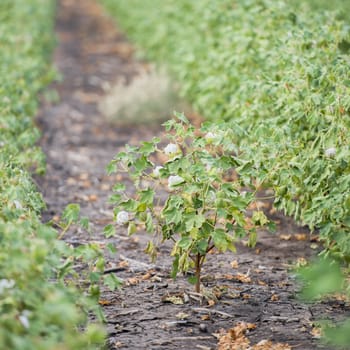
[[340, 7], [276, 74], [40, 305], [322, 279], [280, 78], [201, 210]]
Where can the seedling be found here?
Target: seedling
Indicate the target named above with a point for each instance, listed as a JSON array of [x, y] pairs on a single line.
[[187, 199]]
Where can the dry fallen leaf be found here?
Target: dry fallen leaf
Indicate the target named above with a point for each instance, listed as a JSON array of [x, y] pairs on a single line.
[[268, 345], [314, 238], [283, 284], [71, 181], [316, 332], [119, 177], [84, 176], [85, 184], [118, 344], [274, 297], [259, 205], [173, 299], [235, 339], [104, 302], [205, 317], [273, 210], [123, 263], [211, 302], [133, 281], [340, 297], [301, 262], [234, 264], [285, 237], [105, 187], [93, 198], [244, 278], [182, 316], [147, 276], [300, 236]]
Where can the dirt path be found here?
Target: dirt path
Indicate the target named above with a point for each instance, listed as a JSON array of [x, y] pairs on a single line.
[[79, 143]]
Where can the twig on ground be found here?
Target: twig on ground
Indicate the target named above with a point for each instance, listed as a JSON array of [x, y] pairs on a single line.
[[138, 266], [203, 309]]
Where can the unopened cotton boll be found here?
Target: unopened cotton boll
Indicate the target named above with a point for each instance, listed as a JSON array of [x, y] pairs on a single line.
[[174, 180], [122, 217], [330, 152], [171, 148]]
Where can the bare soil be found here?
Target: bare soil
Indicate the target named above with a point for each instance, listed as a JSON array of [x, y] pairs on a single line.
[[259, 287]]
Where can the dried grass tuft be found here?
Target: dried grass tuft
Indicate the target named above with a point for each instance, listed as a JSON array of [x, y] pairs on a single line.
[[149, 98]]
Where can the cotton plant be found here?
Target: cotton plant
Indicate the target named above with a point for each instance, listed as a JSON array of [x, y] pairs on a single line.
[[186, 199]]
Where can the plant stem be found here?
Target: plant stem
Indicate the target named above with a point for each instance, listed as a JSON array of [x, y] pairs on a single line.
[[65, 230], [198, 273]]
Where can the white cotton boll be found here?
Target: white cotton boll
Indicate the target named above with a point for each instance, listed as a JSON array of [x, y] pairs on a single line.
[[330, 152], [156, 171], [208, 167], [24, 319], [211, 197], [122, 217], [171, 148], [210, 136], [6, 284], [17, 204], [174, 180]]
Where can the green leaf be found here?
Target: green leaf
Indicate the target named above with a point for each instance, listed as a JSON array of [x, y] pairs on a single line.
[[130, 205], [71, 213], [147, 148], [141, 208], [111, 167], [85, 223], [193, 220], [220, 239], [259, 218], [114, 198], [172, 216], [149, 223], [112, 282], [321, 278], [147, 196], [111, 248], [252, 239], [175, 266], [142, 163], [118, 187], [109, 230], [202, 246], [192, 280], [131, 228], [185, 242], [181, 117]]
